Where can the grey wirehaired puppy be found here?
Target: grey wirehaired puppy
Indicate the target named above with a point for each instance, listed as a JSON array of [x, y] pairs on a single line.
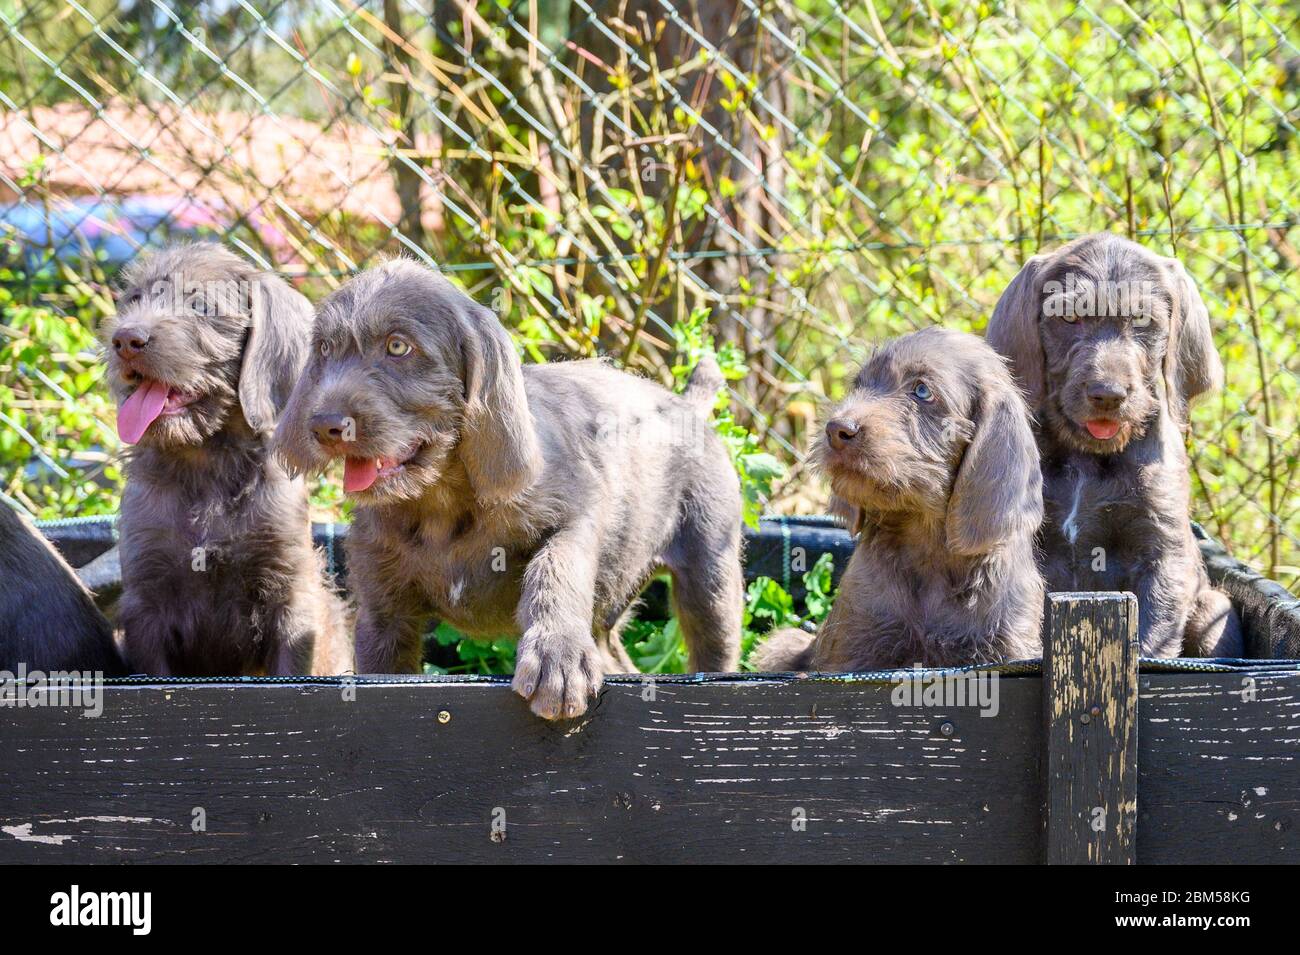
[[932, 457], [218, 570], [533, 501], [48, 620], [1112, 343]]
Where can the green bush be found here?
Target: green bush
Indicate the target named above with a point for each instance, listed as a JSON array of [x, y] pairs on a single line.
[[815, 178]]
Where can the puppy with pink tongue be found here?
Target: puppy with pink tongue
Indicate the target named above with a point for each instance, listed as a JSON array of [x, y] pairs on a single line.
[[530, 501], [1112, 344], [219, 574]]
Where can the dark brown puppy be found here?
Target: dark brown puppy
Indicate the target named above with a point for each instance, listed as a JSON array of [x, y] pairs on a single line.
[[933, 454], [47, 619], [1111, 343], [533, 501], [218, 571]]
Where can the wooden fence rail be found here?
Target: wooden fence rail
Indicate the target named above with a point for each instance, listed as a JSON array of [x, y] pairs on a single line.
[[1088, 762]]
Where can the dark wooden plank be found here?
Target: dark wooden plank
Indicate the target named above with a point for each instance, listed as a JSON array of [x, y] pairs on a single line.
[[1219, 768], [1090, 660], [704, 772]]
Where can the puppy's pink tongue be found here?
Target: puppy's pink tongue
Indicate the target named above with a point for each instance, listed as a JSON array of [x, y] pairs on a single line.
[[1103, 429], [359, 474], [140, 409]]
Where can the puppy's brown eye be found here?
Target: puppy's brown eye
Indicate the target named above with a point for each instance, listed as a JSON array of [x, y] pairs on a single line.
[[1069, 317], [922, 391], [397, 347], [324, 349]]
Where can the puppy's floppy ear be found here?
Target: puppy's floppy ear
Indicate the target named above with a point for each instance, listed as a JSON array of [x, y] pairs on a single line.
[[279, 335], [998, 491], [498, 444], [1192, 365], [1013, 329]]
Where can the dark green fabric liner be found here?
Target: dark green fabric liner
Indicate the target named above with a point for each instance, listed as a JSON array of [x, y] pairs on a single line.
[[1019, 668], [1270, 612]]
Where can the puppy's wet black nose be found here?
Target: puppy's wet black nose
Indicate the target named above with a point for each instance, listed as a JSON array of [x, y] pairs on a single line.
[[329, 428], [1105, 395], [130, 341], [840, 432]]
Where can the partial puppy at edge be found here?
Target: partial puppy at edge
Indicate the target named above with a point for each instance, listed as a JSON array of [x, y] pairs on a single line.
[[48, 620]]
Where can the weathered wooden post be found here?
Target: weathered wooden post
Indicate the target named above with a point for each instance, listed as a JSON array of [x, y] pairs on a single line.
[[1090, 690]]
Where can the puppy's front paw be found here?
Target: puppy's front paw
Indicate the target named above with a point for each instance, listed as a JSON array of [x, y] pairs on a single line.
[[557, 674]]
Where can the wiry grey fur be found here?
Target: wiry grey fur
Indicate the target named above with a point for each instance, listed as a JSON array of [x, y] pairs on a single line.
[[945, 494], [255, 599], [538, 501], [1117, 510], [47, 619]]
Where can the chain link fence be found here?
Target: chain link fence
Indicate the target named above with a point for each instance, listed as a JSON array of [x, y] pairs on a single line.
[[817, 175]]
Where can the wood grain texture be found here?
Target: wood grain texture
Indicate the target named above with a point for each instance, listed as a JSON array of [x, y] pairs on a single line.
[[1090, 662], [1219, 768], [704, 772], [708, 772]]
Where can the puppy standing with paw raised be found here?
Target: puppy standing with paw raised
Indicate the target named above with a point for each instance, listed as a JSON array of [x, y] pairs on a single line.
[[933, 456], [219, 575], [533, 501], [1112, 343]]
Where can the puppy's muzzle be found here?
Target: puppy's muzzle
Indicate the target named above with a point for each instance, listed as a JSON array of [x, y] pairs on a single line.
[[841, 433]]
